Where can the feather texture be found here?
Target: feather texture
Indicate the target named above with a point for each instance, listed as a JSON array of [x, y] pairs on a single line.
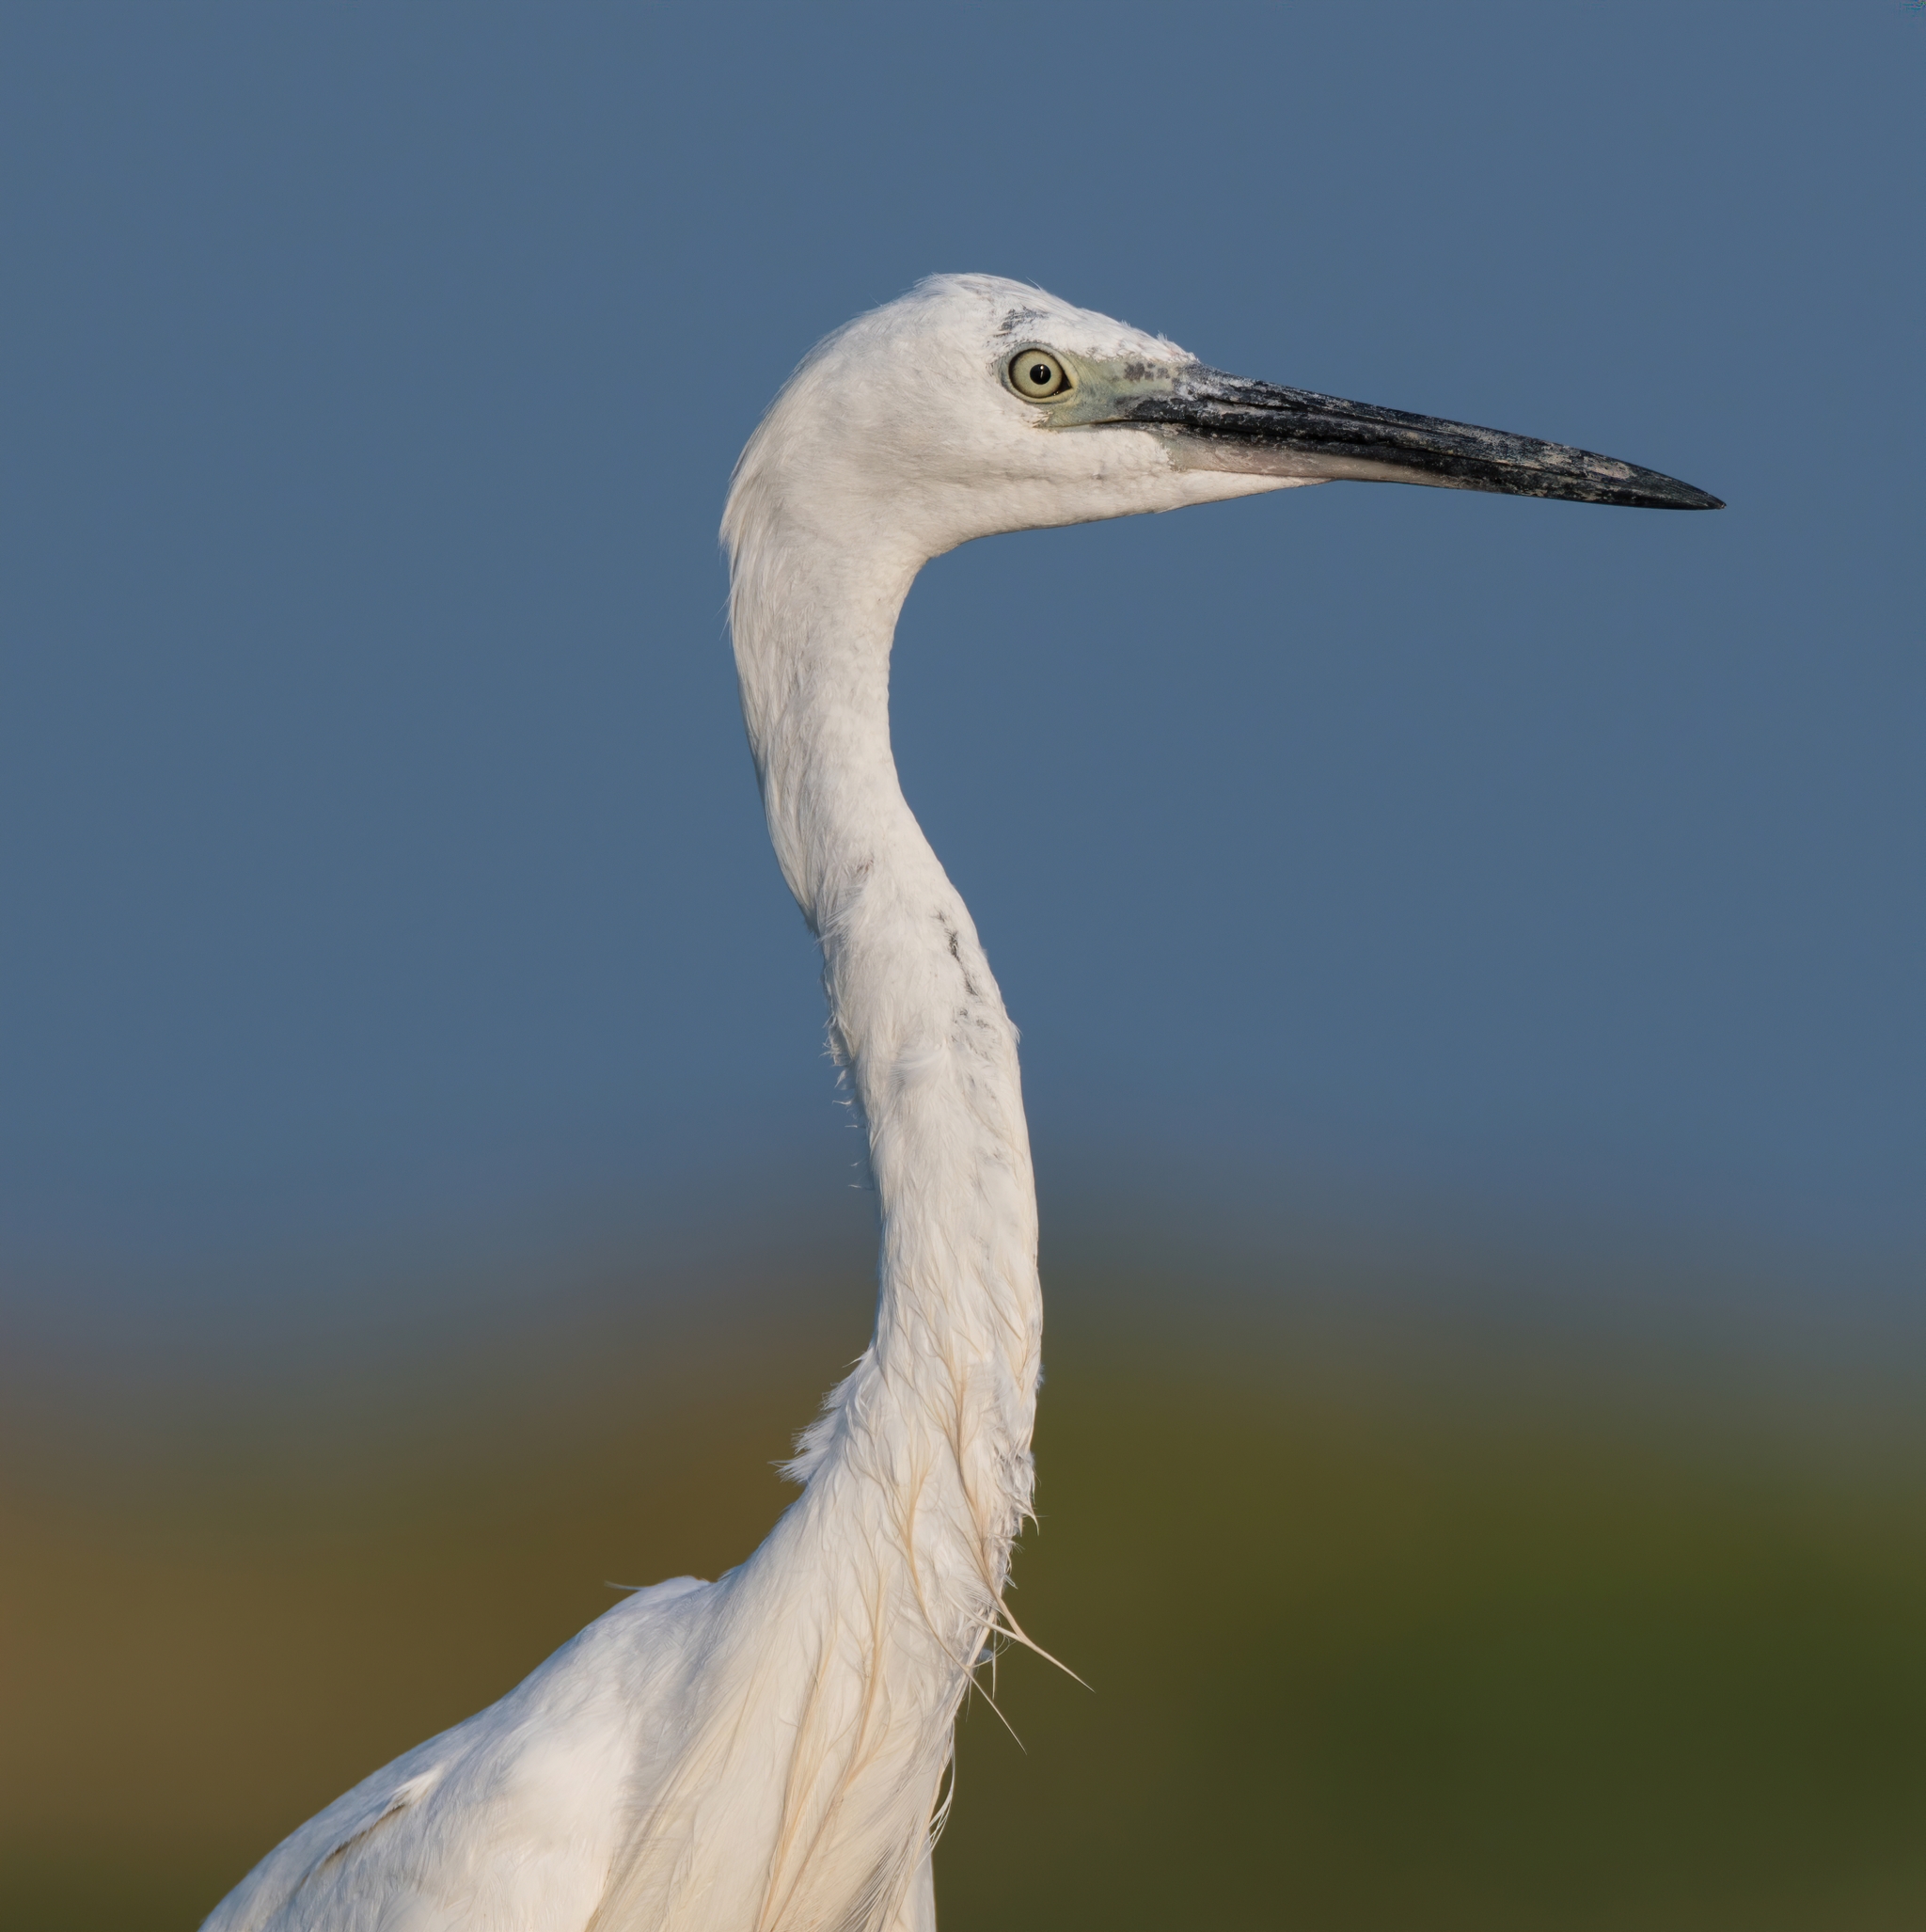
[[764, 1753]]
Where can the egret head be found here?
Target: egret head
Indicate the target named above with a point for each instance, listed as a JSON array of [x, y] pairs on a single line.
[[975, 405]]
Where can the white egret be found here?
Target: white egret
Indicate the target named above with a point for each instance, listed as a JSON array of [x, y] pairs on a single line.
[[766, 1752]]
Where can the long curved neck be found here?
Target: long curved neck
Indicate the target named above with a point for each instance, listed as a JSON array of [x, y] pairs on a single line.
[[915, 1016]]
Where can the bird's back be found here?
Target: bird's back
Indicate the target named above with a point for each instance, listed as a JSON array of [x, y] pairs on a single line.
[[510, 1821], [757, 1754]]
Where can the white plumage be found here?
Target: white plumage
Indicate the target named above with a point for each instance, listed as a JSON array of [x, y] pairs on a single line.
[[766, 1753]]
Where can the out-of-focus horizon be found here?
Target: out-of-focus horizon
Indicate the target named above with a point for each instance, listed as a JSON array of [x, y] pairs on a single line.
[[1469, 950], [1403, 1599]]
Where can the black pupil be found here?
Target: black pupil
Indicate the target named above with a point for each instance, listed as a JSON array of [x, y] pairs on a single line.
[[1040, 373]]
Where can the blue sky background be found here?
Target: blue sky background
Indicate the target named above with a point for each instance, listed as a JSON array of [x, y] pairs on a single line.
[[382, 863]]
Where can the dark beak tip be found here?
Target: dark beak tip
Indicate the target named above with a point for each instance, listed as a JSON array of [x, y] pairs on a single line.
[[1657, 491]]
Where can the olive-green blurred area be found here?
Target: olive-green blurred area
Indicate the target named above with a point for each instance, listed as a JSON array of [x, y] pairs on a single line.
[[1405, 1615]]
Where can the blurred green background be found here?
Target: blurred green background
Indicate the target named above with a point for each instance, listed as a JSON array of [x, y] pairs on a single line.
[[1402, 1605]]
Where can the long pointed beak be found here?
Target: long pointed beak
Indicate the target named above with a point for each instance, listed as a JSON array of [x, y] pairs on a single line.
[[1221, 422]]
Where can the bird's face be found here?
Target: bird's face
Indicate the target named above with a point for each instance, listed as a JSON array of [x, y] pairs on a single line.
[[973, 406]]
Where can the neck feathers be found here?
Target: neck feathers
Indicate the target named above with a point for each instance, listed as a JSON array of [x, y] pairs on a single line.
[[917, 1022]]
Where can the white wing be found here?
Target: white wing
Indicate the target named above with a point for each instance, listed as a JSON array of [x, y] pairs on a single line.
[[509, 1822]]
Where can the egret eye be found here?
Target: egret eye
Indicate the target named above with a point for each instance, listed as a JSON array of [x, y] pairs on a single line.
[[1038, 374]]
